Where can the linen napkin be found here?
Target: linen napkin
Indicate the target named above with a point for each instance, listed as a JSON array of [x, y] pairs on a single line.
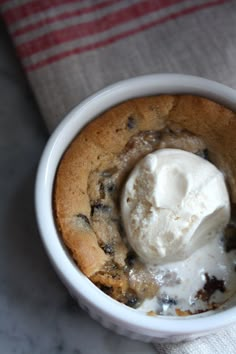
[[71, 48]]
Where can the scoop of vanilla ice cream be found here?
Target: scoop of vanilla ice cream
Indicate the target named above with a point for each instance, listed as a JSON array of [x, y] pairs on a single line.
[[173, 203]]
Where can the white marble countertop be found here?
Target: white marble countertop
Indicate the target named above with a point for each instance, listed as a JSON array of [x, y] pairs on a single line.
[[37, 315]]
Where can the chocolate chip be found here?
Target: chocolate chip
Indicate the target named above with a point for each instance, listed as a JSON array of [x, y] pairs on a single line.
[[132, 300], [131, 124], [211, 285], [83, 218], [121, 228], [130, 145], [106, 289], [110, 188], [108, 249], [206, 154], [102, 191], [230, 238], [106, 187], [167, 300], [100, 207], [203, 153], [131, 259]]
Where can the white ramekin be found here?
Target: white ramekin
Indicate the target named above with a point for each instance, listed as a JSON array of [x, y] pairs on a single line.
[[101, 307]]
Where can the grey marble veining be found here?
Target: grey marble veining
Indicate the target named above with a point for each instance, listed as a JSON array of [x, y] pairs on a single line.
[[36, 313]]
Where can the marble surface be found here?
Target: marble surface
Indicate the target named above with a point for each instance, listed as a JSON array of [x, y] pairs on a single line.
[[37, 315]]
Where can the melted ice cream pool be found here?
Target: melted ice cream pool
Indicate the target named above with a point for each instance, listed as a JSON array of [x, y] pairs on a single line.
[[181, 281]]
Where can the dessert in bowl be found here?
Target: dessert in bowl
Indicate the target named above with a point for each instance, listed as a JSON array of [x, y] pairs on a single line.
[[93, 186]]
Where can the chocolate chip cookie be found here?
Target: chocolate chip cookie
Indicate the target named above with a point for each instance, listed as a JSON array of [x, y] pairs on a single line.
[[93, 170]]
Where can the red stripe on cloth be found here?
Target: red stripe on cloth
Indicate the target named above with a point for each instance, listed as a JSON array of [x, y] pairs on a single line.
[[81, 30], [2, 2], [122, 35], [63, 16], [32, 7]]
